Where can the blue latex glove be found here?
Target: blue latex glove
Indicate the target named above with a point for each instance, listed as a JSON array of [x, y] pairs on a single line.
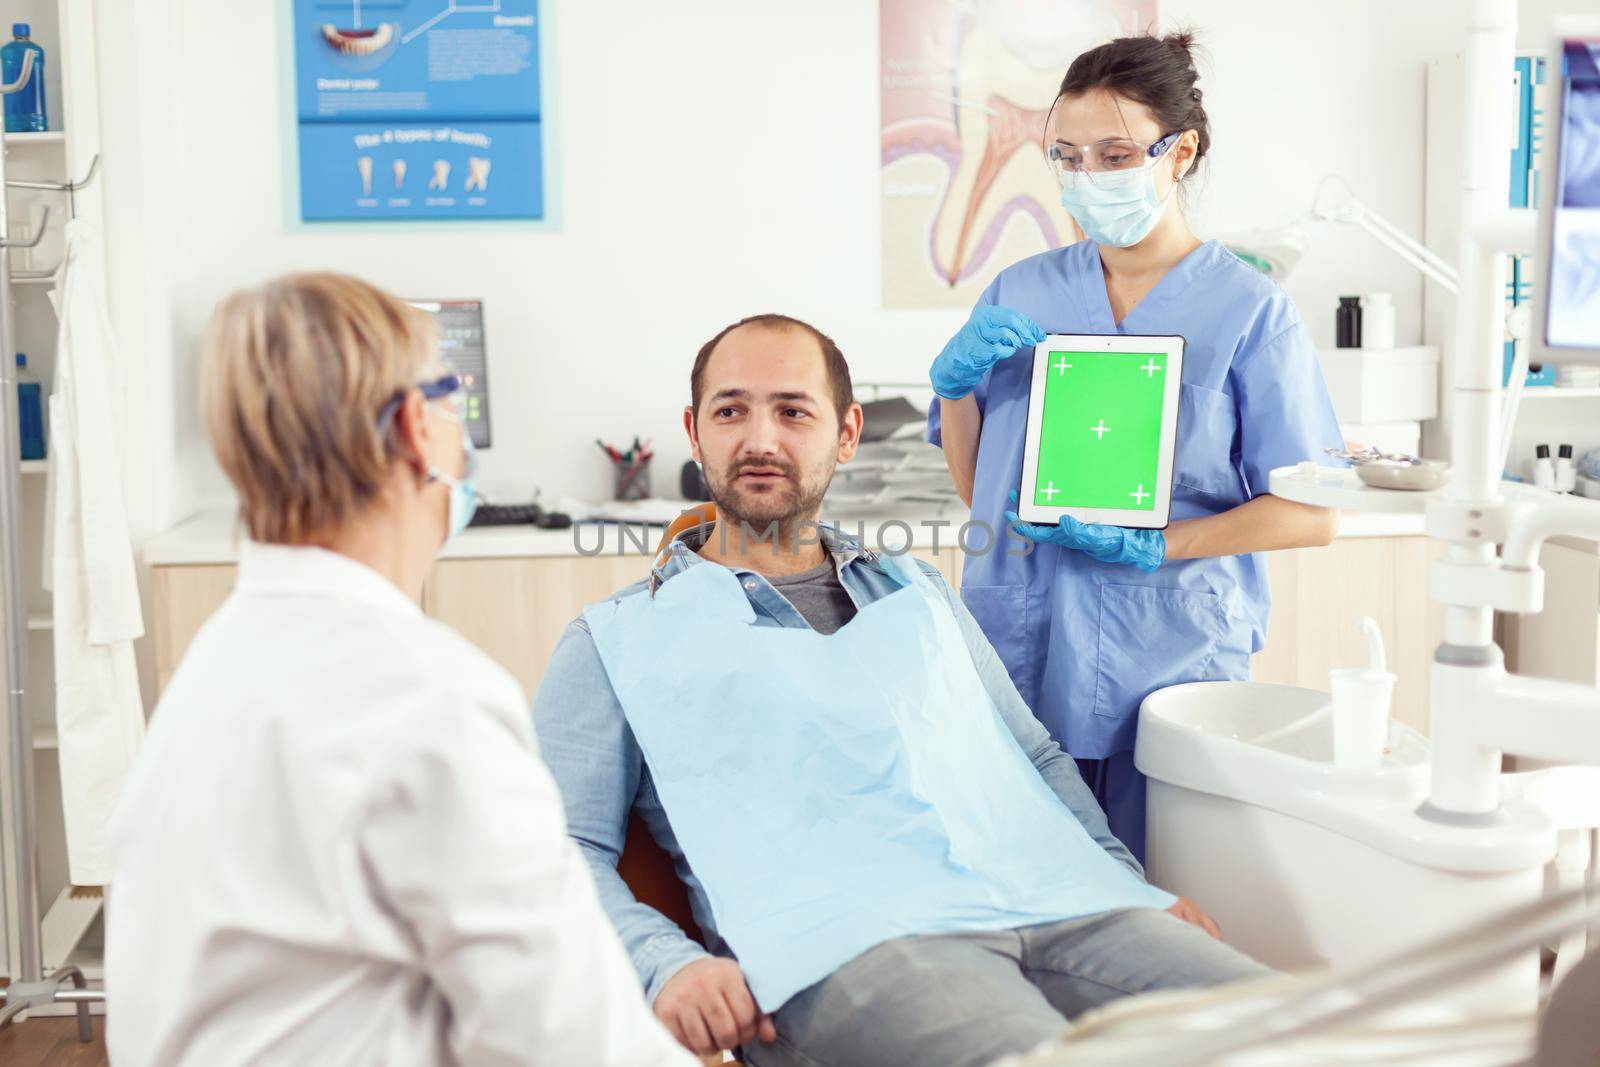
[[1145, 549], [990, 335]]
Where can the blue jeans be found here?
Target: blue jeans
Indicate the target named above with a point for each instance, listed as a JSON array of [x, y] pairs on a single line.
[[961, 1000]]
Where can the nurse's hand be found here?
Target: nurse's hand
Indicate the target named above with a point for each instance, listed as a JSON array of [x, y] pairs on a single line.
[[1190, 912], [708, 1007], [1145, 549], [990, 335]]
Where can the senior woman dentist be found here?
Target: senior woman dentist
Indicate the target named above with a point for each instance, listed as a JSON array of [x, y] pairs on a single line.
[[339, 844], [1097, 617]]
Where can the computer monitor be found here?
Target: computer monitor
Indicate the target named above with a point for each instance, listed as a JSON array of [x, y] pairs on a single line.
[[462, 348], [1570, 328]]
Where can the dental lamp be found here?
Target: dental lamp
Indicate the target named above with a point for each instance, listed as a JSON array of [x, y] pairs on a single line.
[[1275, 251]]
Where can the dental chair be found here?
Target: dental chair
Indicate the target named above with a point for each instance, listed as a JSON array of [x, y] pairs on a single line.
[[643, 865], [649, 873]]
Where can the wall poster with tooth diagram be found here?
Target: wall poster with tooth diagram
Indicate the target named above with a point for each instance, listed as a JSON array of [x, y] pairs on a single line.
[[418, 109], [964, 88]]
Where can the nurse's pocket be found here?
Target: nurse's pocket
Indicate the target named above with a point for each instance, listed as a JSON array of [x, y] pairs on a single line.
[[1002, 612], [1150, 638], [1208, 422]]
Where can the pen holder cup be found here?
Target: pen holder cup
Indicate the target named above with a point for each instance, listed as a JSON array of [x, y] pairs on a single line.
[[632, 480]]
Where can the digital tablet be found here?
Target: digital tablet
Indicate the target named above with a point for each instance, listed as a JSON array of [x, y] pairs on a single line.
[[1102, 430]]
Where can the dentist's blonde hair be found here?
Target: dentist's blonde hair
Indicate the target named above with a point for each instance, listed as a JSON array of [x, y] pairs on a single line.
[[292, 378]]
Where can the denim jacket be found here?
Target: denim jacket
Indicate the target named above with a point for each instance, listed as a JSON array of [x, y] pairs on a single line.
[[585, 740]]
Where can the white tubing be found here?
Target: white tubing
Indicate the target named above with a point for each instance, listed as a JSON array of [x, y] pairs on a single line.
[[1375, 655]]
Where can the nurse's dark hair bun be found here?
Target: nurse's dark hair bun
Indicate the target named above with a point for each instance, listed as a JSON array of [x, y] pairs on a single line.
[[1158, 72]]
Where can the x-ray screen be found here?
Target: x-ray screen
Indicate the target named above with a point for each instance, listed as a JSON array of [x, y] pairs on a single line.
[[1572, 318]]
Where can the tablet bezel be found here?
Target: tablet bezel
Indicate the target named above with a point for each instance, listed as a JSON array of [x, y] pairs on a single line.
[[1170, 346]]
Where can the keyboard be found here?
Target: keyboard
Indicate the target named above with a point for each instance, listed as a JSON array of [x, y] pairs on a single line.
[[519, 515]]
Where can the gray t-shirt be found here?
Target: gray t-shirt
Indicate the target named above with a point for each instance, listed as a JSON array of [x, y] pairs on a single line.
[[819, 597]]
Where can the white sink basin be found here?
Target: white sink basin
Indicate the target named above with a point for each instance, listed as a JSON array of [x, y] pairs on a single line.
[[1202, 737], [1233, 721], [1306, 864]]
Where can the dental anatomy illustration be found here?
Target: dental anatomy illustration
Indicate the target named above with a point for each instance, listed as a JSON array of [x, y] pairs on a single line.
[[964, 95], [429, 95]]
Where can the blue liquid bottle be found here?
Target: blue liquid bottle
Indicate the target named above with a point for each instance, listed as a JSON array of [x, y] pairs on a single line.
[[25, 107], [30, 411]]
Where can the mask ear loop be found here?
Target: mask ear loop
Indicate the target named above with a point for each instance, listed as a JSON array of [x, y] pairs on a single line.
[[1177, 175], [433, 474]]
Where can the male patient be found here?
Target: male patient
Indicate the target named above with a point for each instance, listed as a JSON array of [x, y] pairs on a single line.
[[891, 860]]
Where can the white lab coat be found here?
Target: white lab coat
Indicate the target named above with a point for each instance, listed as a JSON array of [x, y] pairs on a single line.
[[89, 563], [340, 846]]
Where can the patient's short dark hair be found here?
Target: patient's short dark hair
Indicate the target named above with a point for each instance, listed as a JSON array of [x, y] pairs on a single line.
[[833, 360]]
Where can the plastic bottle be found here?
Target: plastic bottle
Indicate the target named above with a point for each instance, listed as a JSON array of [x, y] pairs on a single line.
[[1348, 322], [1544, 472], [1377, 321], [1566, 472], [30, 410], [25, 107]]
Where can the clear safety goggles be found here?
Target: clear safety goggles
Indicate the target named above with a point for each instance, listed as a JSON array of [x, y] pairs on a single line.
[[449, 395], [450, 389], [1069, 162]]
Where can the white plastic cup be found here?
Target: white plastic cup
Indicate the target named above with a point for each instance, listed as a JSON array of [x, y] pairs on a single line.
[[1361, 698]]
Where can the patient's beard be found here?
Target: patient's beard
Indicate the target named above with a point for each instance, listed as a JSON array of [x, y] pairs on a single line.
[[747, 517]]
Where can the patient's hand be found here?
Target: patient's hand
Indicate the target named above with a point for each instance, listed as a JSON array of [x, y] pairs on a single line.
[[708, 1007], [1190, 912]]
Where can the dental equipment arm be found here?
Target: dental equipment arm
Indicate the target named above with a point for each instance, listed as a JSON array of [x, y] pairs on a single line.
[[1333, 204], [1532, 524], [1478, 710], [1240, 1024]]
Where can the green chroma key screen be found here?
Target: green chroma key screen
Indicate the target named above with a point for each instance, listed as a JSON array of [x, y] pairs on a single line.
[[1100, 436]]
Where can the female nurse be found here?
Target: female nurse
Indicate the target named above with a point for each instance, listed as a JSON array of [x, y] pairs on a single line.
[[1096, 617]]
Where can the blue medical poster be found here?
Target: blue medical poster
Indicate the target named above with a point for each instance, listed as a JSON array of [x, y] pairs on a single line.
[[418, 109]]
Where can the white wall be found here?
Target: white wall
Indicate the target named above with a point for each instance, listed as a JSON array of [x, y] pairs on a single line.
[[717, 159]]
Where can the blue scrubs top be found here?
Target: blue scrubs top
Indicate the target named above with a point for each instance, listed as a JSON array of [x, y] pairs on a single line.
[[1086, 641]]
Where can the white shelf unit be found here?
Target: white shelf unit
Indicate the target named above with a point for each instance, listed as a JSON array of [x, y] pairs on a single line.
[[1555, 392], [65, 30]]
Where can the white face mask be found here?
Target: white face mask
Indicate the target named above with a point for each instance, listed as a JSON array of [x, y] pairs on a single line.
[[1117, 208], [463, 490]]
